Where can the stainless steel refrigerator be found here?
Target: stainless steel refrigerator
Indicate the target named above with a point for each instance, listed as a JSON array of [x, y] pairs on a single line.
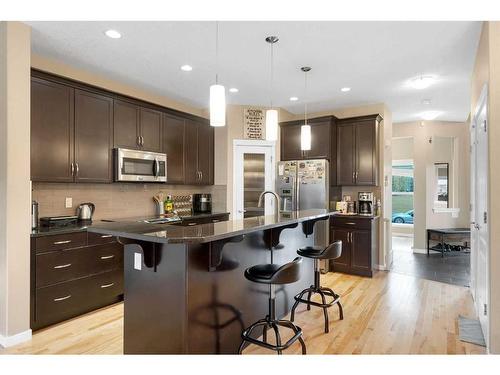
[[302, 185]]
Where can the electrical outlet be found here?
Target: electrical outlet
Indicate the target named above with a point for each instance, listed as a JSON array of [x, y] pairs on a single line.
[[69, 202]]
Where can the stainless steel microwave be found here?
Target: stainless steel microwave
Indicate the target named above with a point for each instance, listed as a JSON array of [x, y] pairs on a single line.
[[140, 166]]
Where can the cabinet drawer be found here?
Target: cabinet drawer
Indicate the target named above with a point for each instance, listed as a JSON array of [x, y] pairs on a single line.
[[60, 266], [97, 239], [66, 300], [101, 258], [60, 242], [352, 223]]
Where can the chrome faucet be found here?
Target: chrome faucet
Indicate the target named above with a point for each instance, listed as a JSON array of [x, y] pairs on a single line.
[[277, 198]]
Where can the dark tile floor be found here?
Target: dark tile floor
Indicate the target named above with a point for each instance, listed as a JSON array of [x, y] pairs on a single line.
[[454, 268]]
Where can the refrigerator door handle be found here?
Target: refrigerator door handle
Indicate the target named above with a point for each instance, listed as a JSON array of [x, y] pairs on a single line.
[[297, 192]]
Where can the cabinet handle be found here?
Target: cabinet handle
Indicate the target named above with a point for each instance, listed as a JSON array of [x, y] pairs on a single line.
[[72, 169], [191, 224], [138, 140], [62, 266], [142, 140], [106, 236], [61, 242], [62, 298], [77, 169], [356, 176], [104, 257], [215, 220], [350, 223], [201, 175], [107, 285]]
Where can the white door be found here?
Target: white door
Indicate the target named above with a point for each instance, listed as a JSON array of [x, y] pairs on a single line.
[[480, 226], [244, 150]]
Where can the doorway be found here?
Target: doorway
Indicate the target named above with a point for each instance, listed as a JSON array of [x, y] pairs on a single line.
[[253, 173], [479, 211]]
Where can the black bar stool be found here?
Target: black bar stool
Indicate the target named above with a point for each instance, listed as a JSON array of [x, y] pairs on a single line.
[[273, 274], [317, 253]]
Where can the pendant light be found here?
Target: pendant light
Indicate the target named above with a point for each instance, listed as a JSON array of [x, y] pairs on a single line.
[[305, 130], [272, 114], [217, 92]]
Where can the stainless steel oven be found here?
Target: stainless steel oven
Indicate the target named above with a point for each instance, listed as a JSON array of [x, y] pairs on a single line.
[[140, 166]]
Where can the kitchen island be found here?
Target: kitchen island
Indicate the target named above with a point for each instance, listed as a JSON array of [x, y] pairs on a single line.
[[185, 291]]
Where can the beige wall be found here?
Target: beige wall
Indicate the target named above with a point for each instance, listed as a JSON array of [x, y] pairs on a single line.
[[383, 191], [14, 179], [425, 154]]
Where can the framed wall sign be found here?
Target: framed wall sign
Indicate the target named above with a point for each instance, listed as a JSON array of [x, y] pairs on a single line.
[[253, 123]]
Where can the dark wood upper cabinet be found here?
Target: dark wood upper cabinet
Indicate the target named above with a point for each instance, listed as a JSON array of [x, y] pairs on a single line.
[[206, 153], [93, 137], [290, 142], [366, 153], [346, 154], [357, 150], [199, 153], [321, 139], [126, 125], [75, 126], [150, 129], [173, 141], [52, 120]]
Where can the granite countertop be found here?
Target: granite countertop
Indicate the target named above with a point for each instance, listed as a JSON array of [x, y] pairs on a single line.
[[176, 233], [356, 216], [79, 227]]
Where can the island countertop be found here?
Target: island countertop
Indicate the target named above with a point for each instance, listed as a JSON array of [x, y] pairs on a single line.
[[202, 233]]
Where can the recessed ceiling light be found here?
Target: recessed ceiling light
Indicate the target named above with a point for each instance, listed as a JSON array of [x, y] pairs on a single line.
[[422, 82], [293, 98], [430, 115], [345, 89], [233, 89], [426, 102], [187, 68], [113, 34]]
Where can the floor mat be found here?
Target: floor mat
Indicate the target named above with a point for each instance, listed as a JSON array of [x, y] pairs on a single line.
[[470, 331]]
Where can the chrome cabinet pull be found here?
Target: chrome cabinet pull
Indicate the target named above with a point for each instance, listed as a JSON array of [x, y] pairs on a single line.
[[191, 224], [106, 236], [350, 223], [201, 175], [62, 298], [138, 140], [107, 257], [62, 266], [77, 169], [107, 285], [215, 220], [61, 242], [72, 169]]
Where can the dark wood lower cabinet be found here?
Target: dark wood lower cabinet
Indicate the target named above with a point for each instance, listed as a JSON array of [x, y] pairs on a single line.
[[67, 282], [359, 238]]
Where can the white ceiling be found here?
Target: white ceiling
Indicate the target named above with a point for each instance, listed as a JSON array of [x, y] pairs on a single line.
[[375, 59]]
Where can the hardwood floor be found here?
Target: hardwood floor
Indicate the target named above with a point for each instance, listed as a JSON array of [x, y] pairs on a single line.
[[389, 314]]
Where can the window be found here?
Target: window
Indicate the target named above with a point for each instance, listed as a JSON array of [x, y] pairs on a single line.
[[402, 191]]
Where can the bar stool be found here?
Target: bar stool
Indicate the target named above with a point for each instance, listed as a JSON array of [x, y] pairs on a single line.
[[273, 274], [333, 251]]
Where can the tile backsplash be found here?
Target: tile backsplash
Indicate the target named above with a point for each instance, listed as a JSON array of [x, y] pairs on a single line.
[[117, 200]]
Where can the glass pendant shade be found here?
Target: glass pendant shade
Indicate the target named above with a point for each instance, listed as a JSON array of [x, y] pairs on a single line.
[[217, 105], [271, 125], [305, 137]]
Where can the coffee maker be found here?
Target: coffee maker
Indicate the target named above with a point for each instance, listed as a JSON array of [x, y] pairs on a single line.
[[365, 203]]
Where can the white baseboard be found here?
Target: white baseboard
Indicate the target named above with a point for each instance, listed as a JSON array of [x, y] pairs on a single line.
[[381, 267], [6, 341], [419, 251]]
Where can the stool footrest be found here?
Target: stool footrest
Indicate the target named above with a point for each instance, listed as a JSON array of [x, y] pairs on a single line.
[[336, 299]]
